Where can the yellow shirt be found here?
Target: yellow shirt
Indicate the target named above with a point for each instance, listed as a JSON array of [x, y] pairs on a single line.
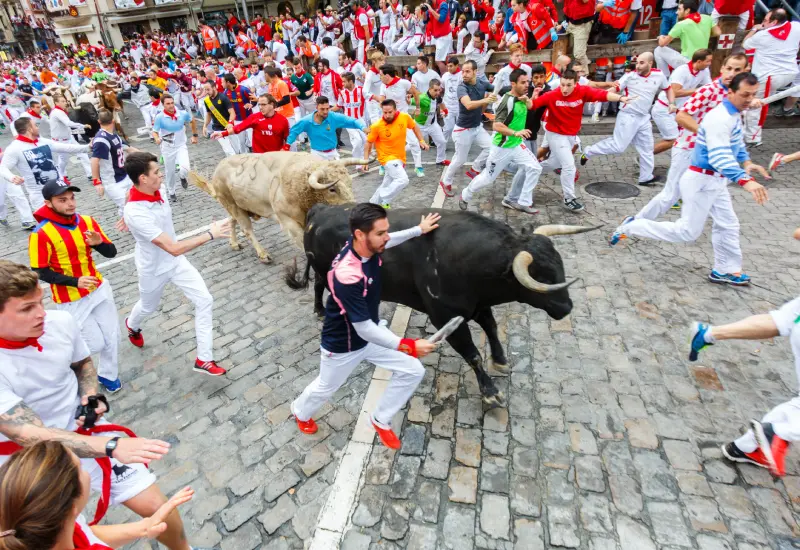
[[390, 138], [158, 82]]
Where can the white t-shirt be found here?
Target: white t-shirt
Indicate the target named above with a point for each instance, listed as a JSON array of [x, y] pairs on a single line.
[[280, 51], [331, 53], [450, 83], [688, 79], [773, 55], [88, 532], [645, 87], [397, 92], [146, 221], [43, 380], [421, 81]]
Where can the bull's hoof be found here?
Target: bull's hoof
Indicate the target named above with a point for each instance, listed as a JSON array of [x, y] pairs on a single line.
[[501, 368], [495, 401], [236, 246], [265, 258]]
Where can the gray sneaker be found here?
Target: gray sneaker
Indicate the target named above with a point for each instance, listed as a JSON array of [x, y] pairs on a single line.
[[28, 226], [462, 204], [517, 206], [4, 222]]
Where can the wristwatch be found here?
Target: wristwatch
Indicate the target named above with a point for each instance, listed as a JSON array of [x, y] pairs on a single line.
[[111, 446]]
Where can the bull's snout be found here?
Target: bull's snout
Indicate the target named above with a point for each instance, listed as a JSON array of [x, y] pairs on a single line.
[[558, 309]]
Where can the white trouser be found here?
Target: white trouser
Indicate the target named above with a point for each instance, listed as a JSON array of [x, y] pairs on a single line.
[[744, 18], [361, 50], [335, 368], [667, 59], [326, 155], [184, 101], [665, 121], [450, 121], [188, 279], [147, 115], [175, 159], [412, 144], [97, 316], [373, 112], [245, 139], [702, 195], [62, 158], [435, 131], [561, 157], [679, 163], [630, 128], [469, 30], [118, 191], [463, 139], [394, 180], [499, 159], [201, 108], [230, 145], [414, 44], [34, 193], [357, 139], [754, 118], [400, 47], [15, 194]]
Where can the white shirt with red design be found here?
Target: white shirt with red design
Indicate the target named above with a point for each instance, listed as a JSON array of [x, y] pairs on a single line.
[[352, 102]]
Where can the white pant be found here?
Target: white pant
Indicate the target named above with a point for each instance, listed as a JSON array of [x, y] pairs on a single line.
[[96, 314], [679, 163], [463, 139], [400, 47], [188, 279], [373, 112], [561, 157], [702, 195], [412, 144], [201, 108], [230, 145], [444, 46], [184, 101], [435, 131], [147, 115], [118, 191], [630, 128], [754, 118], [357, 139], [394, 180], [744, 18], [414, 44], [62, 158], [335, 368], [15, 194], [174, 158], [499, 159], [666, 57], [34, 194], [665, 121], [127, 480], [450, 121], [326, 155], [361, 50]]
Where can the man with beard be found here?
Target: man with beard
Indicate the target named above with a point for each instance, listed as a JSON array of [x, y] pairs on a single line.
[[60, 251], [352, 331], [220, 115], [270, 128]]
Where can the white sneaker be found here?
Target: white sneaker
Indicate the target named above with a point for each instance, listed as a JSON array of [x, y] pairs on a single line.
[[596, 117]]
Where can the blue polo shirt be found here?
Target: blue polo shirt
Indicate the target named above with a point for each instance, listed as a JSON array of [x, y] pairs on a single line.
[[355, 287], [323, 136], [172, 130]]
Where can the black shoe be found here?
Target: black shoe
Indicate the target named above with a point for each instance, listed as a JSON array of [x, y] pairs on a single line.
[[651, 181], [28, 226], [184, 183], [173, 199], [573, 205], [584, 160], [462, 204]]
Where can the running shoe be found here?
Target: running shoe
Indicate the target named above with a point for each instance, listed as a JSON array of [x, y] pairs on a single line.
[[729, 278], [517, 206], [596, 118], [448, 189], [387, 435], [28, 226], [584, 159], [735, 454], [135, 336], [420, 172], [651, 181], [472, 174], [619, 234], [677, 205], [776, 161], [381, 170], [386, 206], [462, 204], [773, 447], [173, 198], [111, 386], [573, 205], [307, 426], [184, 183], [4, 222], [443, 163], [697, 340], [208, 367]]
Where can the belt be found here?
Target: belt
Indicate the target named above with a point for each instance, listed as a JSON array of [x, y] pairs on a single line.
[[326, 151], [705, 171], [664, 104]]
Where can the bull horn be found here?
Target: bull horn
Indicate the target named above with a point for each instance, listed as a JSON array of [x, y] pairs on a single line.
[[551, 230], [313, 179], [353, 162], [521, 263]]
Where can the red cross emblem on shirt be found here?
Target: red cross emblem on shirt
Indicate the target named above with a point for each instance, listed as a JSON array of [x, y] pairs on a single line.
[[725, 41]]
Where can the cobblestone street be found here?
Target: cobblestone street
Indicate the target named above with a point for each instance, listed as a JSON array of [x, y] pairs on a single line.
[[610, 440]]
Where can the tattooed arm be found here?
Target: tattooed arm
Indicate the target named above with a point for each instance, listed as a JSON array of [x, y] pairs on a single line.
[[87, 377], [24, 427]]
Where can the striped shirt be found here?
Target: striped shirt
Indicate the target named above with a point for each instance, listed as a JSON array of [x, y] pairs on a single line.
[[701, 102], [352, 102], [63, 249], [720, 143]]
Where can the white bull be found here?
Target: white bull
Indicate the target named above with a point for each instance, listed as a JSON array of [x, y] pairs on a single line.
[[284, 185]]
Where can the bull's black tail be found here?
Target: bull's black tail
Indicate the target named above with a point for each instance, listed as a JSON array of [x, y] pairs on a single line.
[[292, 278]]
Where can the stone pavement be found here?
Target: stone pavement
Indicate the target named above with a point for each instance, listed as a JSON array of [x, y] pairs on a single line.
[[610, 440]]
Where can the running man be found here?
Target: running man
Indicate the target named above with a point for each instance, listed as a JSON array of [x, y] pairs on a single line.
[[321, 126], [108, 162], [169, 131], [270, 128], [352, 332], [61, 130], [221, 116], [425, 115]]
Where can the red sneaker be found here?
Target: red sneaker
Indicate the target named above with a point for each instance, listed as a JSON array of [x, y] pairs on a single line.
[[387, 436], [208, 367], [135, 336], [448, 189], [472, 174], [307, 426], [577, 175], [734, 454], [444, 163], [773, 447]]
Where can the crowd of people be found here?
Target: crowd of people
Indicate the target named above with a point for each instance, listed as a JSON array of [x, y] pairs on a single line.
[[292, 84]]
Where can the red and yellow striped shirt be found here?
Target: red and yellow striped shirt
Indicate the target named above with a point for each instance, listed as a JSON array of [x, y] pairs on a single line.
[[63, 249]]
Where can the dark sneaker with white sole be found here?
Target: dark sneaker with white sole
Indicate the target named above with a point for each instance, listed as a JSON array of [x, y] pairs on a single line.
[[573, 205], [517, 206], [184, 183], [651, 181], [28, 226], [735, 454], [462, 204]]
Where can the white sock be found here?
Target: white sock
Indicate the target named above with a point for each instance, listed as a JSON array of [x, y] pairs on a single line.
[[708, 337], [747, 443]]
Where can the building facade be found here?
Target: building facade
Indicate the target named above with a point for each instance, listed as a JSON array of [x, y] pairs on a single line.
[[25, 28]]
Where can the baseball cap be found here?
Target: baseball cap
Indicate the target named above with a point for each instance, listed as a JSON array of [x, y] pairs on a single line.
[[56, 188]]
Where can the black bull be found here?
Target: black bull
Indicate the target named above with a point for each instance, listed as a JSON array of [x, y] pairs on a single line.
[[466, 266]]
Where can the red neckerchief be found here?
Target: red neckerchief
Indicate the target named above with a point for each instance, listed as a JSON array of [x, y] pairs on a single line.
[[781, 32], [61, 109], [514, 67], [45, 213], [13, 344], [299, 72], [691, 69], [136, 195], [374, 70], [33, 114], [27, 139], [156, 102], [457, 71], [694, 17], [81, 541], [173, 116], [394, 81]]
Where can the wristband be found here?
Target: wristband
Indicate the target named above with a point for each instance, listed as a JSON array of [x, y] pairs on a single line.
[[210, 234], [745, 181], [408, 346], [96, 182]]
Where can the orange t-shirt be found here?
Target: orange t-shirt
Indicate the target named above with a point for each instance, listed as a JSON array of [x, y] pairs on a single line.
[[47, 77], [390, 139], [279, 90]]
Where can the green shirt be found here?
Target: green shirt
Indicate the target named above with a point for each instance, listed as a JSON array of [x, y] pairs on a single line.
[[304, 84], [427, 109], [99, 77], [693, 36], [513, 112]]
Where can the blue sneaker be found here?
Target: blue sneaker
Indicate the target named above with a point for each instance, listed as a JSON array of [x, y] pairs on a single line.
[[420, 172], [111, 386], [618, 234], [729, 278], [697, 340]]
